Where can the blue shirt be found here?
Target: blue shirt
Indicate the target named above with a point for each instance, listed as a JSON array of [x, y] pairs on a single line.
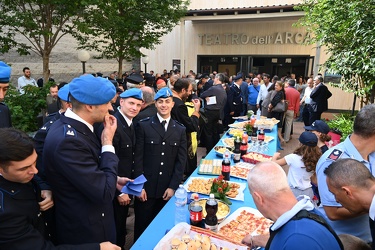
[[253, 94], [304, 234], [358, 226]]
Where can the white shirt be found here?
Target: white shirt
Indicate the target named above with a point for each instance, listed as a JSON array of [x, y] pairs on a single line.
[[263, 91], [372, 209], [23, 81], [308, 91], [298, 177], [162, 119], [69, 113]]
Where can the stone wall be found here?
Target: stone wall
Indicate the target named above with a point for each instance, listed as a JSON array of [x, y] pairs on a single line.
[[64, 63]]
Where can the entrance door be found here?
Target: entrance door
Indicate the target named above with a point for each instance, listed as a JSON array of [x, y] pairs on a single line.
[[230, 69]]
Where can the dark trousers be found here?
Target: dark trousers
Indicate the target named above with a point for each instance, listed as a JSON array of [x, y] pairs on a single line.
[[313, 116], [210, 131], [121, 213], [306, 115], [145, 212]]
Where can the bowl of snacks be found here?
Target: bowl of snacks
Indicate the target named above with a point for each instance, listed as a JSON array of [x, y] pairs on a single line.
[[220, 150], [223, 209]]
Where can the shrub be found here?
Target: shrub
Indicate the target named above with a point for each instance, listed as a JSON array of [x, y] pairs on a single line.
[[344, 123]]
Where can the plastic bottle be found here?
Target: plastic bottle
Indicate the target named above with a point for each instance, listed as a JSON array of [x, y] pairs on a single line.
[[261, 135], [244, 142], [258, 114], [196, 212], [225, 166], [211, 209], [181, 200], [237, 149]]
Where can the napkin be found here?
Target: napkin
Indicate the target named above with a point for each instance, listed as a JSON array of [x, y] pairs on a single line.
[[135, 187]]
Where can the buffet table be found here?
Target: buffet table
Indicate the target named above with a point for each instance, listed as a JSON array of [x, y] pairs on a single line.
[[164, 221]]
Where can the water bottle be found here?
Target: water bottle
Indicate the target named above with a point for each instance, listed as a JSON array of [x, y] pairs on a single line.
[[181, 200], [258, 114]]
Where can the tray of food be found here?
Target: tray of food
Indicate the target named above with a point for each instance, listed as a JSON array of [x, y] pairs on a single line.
[[241, 170], [268, 138], [212, 167], [238, 125], [244, 221], [220, 150], [223, 209], [203, 186], [228, 142], [235, 131], [255, 158], [266, 123], [183, 236]]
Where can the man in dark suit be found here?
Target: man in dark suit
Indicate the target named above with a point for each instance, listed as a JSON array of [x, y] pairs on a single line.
[[234, 101], [5, 70], [148, 107], [124, 142], [181, 91], [319, 99], [80, 167], [21, 200], [160, 155]]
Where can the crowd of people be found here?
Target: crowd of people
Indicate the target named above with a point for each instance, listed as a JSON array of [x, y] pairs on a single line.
[[106, 131]]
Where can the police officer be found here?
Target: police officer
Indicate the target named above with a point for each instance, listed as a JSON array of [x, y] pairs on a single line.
[[81, 169], [124, 142], [360, 146], [160, 155], [234, 101], [5, 70]]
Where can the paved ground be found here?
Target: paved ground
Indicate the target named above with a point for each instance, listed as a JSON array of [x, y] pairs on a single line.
[[288, 148]]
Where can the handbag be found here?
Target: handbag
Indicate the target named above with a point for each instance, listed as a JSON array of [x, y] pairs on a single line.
[[281, 106]]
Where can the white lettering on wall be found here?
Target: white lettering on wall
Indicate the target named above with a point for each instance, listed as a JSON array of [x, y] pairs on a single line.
[[244, 39]]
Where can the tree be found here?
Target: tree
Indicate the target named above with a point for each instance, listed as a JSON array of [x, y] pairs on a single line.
[[346, 28], [118, 28], [42, 22]]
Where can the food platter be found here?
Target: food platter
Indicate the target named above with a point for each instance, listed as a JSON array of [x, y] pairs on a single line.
[[219, 150], [237, 125], [241, 170], [244, 221], [228, 142], [183, 232], [203, 186], [212, 167]]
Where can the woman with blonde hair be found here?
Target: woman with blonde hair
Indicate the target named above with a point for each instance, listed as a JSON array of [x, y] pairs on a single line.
[[302, 163]]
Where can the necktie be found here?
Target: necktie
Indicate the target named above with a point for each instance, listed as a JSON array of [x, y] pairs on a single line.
[[163, 124]]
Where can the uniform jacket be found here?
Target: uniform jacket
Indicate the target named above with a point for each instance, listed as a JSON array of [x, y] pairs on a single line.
[[234, 100], [319, 98], [124, 143], [83, 181], [160, 155], [19, 216], [149, 111], [5, 121]]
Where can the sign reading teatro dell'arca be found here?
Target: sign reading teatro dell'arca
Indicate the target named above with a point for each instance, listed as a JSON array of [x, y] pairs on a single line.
[[244, 39]]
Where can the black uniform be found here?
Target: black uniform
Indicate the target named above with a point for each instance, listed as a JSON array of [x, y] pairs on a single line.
[[161, 156], [234, 103], [149, 111], [124, 143], [5, 121]]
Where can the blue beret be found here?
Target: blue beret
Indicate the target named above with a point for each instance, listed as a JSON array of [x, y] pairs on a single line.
[[5, 71], [163, 93], [134, 92], [92, 90], [64, 93]]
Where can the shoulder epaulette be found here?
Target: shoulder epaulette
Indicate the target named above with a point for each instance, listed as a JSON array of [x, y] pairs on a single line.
[[145, 119], [335, 154], [69, 131]]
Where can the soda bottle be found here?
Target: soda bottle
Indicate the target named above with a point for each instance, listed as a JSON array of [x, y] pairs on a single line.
[[254, 135], [181, 200], [243, 147], [211, 210], [261, 135], [237, 149], [196, 212], [225, 166]]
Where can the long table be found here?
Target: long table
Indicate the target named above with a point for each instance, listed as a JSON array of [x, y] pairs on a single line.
[[164, 221]]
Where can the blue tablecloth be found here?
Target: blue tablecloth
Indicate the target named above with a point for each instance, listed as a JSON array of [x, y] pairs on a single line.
[[164, 221]]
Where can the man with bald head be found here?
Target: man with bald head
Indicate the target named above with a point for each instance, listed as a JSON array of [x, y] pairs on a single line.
[[148, 108], [291, 230]]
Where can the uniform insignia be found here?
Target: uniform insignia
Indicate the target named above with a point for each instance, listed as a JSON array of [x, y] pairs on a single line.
[[43, 128], [69, 131], [335, 154], [145, 119]]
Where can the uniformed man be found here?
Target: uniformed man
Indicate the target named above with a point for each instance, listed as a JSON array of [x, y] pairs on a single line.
[[360, 146], [160, 154], [80, 167], [21, 225], [148, 107], [124, 142], [234, 101], [134, 81], [5, 70]]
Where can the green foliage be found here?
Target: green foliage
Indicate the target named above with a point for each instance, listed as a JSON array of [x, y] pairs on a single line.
[[344, 123], [118, 28], [346, 28], [26, 107]]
